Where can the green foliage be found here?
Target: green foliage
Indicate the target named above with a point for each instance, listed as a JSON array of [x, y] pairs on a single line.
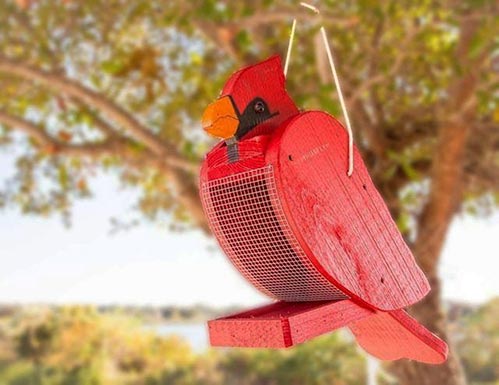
[[34, 343], [164, 62], [327, 360], [479, 344], [80, 346], [17, 373]]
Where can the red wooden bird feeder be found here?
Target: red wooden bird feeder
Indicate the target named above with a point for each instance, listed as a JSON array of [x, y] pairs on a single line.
[[318, 241]]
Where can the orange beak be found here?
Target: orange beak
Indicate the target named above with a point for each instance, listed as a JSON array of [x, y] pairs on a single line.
[[220, 119]]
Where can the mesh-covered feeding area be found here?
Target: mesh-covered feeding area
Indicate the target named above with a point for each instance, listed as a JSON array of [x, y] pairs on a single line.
[[247, 218]]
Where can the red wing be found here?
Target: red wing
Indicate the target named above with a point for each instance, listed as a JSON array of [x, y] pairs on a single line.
[[395, 335], [343, 221]]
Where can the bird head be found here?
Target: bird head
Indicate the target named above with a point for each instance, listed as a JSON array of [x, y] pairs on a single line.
[[253, 102]]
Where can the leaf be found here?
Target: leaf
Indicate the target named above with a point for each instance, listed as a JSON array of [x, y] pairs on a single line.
[[64, 136], [23, 4], [63, 177], [82, 185], [477, 44], [243, 40], [403, 222], [411, 173], [112, 67], [496, 115]]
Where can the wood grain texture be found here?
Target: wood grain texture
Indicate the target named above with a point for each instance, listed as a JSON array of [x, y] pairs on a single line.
[[387, 336], [251, 156], [342, 220], [395, 335], [283, 324], [299, 229], [265, 80]]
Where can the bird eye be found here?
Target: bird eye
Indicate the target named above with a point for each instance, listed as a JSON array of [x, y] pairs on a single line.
[[259, 107]]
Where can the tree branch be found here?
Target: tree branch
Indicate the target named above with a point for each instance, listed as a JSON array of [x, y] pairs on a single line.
[[173, 164], [90, 98], [36, 133], [111, 147], [287, 15]]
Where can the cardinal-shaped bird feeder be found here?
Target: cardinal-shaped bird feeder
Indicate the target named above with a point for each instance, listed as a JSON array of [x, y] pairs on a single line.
[[319, 242]]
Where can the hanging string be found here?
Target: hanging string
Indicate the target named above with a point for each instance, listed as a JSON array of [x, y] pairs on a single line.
[[342, 101], [311, 7], [335, 77], [290, 47]]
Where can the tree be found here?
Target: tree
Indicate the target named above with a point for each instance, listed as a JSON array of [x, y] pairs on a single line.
[[80, 346], [478, 342], [117, 85]]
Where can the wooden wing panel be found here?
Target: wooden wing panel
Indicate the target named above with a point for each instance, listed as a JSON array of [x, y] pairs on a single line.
[[341, 220], [395, 335]]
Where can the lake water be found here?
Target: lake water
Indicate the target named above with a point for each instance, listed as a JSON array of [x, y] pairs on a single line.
[[196, 334]]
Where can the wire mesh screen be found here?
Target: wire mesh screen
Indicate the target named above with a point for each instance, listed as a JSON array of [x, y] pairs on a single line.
[[247, 218]]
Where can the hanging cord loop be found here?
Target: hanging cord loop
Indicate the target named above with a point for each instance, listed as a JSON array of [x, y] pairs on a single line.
[[290, 47], [335, 77]]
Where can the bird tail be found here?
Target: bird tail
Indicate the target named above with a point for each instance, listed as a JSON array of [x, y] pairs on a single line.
[[395, 335]]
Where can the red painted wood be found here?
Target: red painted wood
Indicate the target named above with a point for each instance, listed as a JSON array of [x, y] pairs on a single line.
[[299, 229], [283, 324], [266, 80], [343, 220], [251, 153], [395, 335], [324, 319], [387, 336]]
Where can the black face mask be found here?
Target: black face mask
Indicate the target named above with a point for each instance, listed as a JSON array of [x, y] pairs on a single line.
[[255, 113]]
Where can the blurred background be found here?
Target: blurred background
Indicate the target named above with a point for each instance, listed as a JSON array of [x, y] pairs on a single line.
[[107, 271]]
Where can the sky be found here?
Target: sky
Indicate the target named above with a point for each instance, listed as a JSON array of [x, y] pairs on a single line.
[[43, 261]]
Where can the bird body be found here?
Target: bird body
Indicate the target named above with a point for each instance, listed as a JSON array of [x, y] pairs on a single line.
[[280, 203]]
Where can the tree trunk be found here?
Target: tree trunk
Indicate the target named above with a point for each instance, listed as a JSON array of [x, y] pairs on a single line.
[[434, 222]]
